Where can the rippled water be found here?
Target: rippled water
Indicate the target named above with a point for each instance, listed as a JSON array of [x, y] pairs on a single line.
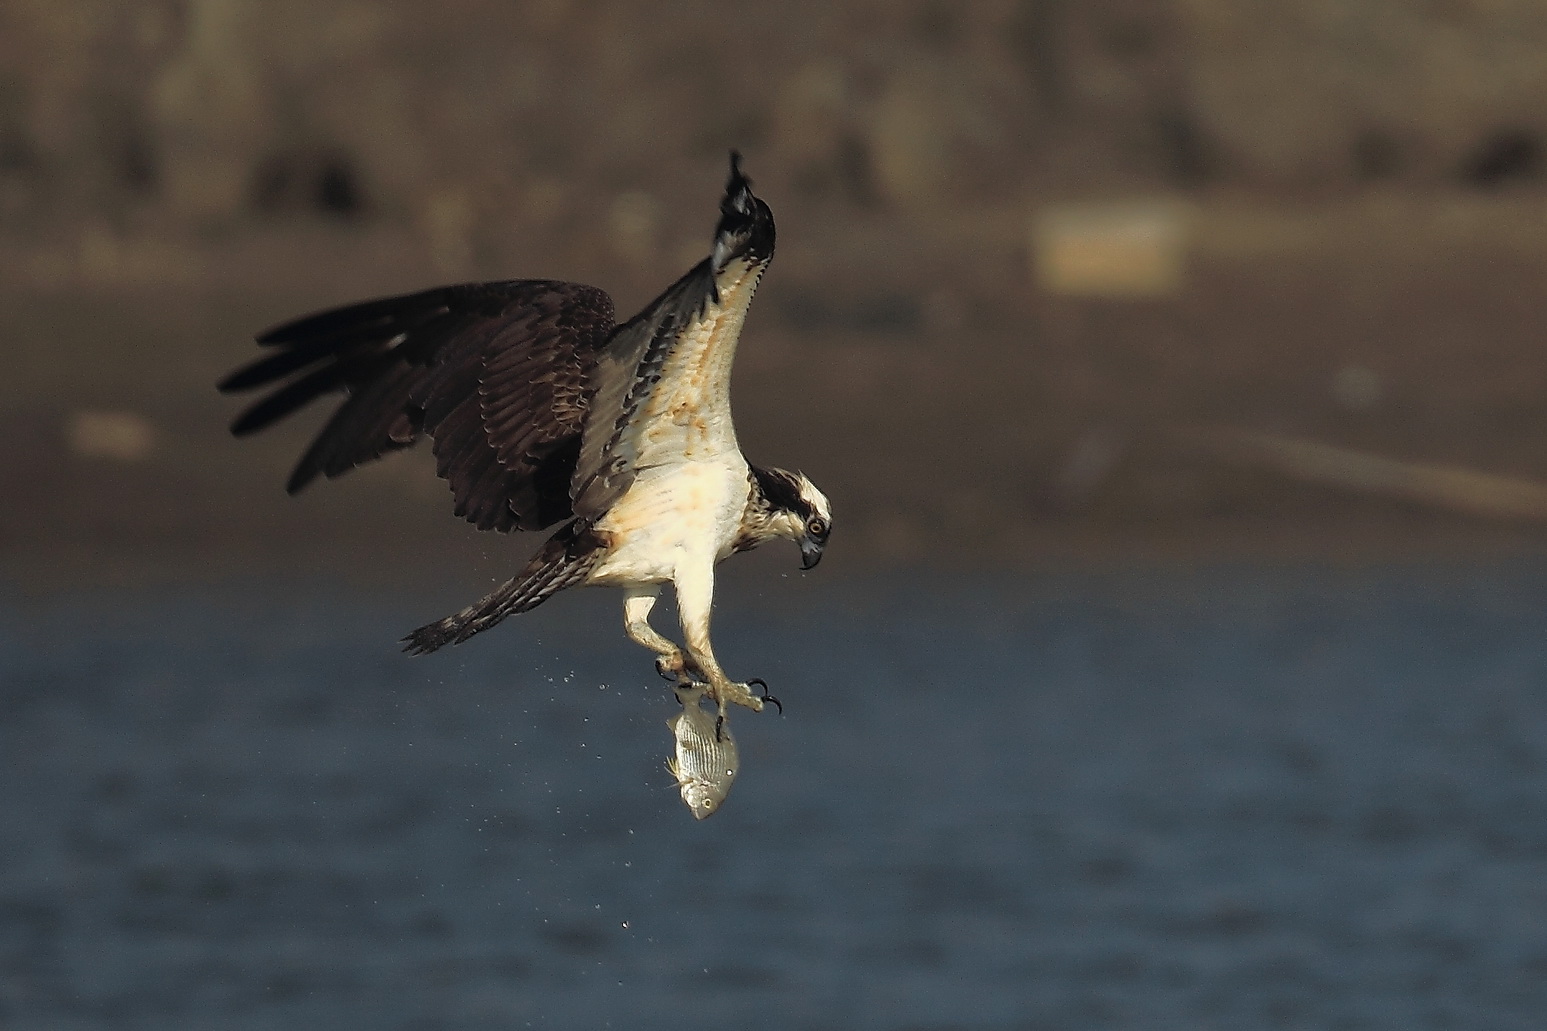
[[1238, 799]]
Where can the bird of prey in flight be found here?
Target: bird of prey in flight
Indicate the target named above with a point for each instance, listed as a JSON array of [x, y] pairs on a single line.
[[542, 410]]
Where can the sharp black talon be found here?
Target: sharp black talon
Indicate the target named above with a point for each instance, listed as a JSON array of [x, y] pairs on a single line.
[[719, 722], [765, 696]]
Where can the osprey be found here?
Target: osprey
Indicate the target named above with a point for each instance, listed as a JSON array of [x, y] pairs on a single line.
[[542, 411]]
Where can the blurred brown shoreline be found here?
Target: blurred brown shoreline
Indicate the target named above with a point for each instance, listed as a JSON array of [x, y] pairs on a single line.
[[954, 414], [1024, 248]]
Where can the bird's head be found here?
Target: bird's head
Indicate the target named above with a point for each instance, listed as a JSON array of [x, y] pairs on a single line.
[[746, 228], [791, 507]]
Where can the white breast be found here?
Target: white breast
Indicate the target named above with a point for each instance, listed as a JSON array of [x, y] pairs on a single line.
[[671, 515]]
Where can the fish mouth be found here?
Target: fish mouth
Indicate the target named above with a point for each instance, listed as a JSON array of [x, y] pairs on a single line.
[[702, 800]]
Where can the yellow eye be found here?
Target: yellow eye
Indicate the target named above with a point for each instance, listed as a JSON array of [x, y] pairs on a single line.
[[817, 528]]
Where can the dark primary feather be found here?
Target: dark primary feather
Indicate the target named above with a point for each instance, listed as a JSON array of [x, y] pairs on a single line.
[[496, 373]]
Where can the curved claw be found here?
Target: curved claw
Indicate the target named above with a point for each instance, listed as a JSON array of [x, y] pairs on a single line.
[[765, 696]]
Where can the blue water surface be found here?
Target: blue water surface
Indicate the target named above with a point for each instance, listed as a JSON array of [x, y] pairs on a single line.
[[1236, 798]]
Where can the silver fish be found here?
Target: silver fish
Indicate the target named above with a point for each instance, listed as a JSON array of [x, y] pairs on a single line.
[[706, 762]]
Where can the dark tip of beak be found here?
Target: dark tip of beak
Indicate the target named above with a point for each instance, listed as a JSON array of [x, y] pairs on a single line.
[[810, 554]]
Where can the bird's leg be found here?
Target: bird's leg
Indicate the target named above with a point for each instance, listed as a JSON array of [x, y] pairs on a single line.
[[695, 596], [673, 664]]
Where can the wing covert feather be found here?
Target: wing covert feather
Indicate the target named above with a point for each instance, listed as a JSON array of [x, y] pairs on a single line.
[[624, 376], [495, 373]]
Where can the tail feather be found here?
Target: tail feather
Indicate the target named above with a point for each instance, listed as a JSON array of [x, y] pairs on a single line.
[[566, 560]]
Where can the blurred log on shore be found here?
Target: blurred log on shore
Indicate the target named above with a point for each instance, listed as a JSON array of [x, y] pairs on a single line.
[[1456, 489]]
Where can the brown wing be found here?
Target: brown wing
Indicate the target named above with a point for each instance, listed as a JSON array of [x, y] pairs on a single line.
[[496, 373]]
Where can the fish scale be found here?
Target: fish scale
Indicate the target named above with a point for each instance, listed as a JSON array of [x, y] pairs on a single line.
[[706, 760]]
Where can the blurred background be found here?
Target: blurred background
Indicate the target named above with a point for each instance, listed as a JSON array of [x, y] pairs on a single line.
[[1174, 369], [1028, 252]]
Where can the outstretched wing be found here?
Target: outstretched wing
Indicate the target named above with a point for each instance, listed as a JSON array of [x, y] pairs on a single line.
[[496, 373], [662, 385], [626, 375]]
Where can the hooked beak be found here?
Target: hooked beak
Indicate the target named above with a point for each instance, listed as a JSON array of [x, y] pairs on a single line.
[[810, 551]]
